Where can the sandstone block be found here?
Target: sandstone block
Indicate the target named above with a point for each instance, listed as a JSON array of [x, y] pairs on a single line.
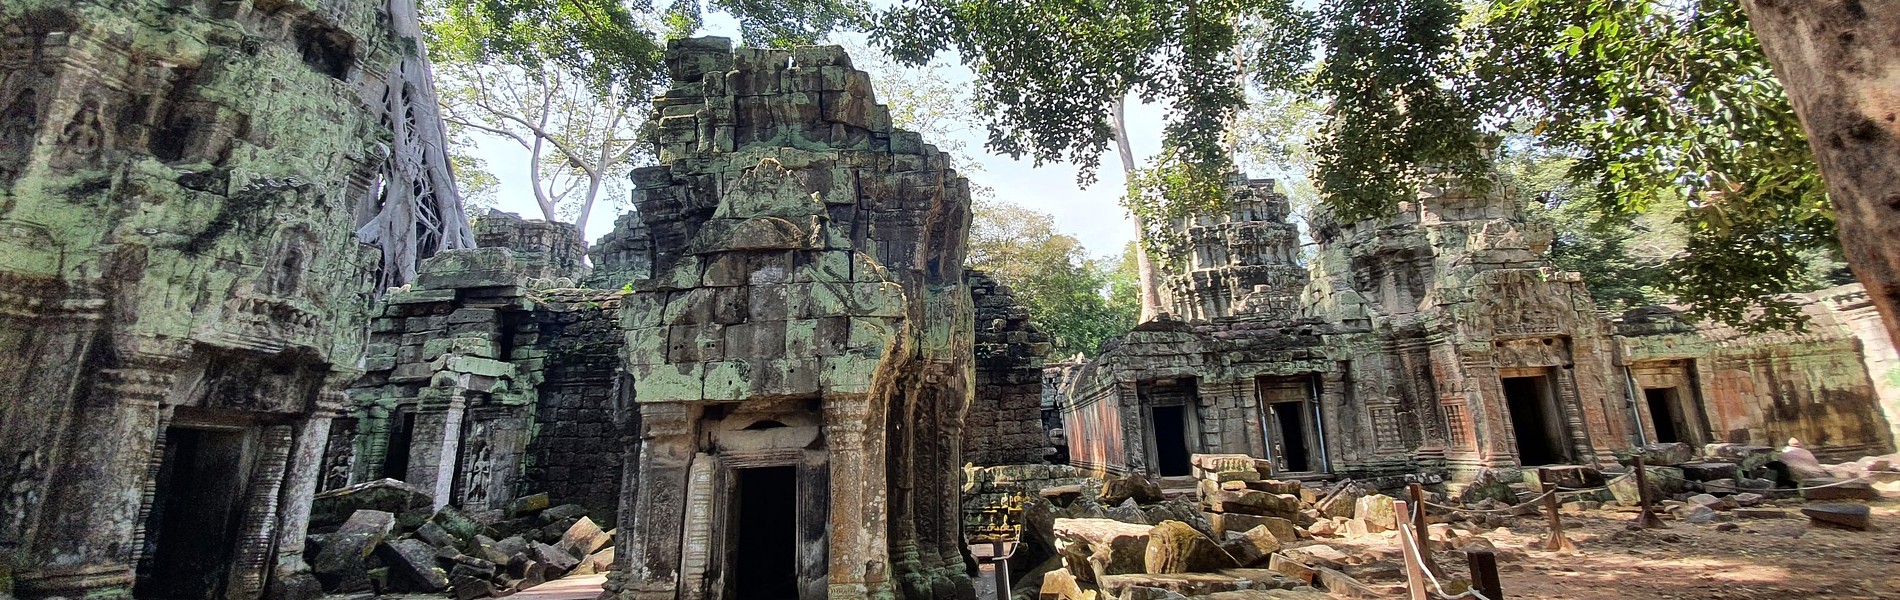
[[1174, 547], [1856, 517]]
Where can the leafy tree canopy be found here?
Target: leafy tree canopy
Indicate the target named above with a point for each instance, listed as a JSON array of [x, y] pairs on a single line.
[[1081, 302]]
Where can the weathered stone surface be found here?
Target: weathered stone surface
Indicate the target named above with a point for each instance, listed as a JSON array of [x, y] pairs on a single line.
[[340, 563], [1100, 547], [383, 495], [1661, 455], [1254, 546], [1377, 511], [806, 287], [1837, 489], [1133, 486], [1843, 516], [412, 566], [584, 538], [1174, 547]]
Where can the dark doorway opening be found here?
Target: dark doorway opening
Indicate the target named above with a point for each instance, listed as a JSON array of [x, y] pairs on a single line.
[[767, 559], [1292, 432], [396, 454], [1662, 411], [194, 509], [1535, 420], [1171, 444]]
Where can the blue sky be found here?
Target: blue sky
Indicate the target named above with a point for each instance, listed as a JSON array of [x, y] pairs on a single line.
[[1091, 215]]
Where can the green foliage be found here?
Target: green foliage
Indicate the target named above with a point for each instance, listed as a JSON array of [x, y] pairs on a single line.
[[773, 23], [1669, 102], [602, 41], [1395, 117], [1622, 257], [1080, 302], [1048, 71]]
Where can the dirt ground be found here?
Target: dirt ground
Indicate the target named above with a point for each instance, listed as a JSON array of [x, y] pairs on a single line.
[[1767, 559]]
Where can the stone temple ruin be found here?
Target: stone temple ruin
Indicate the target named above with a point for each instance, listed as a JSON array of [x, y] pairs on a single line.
[[1440, 341], [775, 378], [182, 292]]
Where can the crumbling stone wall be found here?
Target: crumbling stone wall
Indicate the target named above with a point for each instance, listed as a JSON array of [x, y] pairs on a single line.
[[180, 281], [484, 383], [1242, 262], [1004, 423], [1763, 389], [575, 454], [806, 309]]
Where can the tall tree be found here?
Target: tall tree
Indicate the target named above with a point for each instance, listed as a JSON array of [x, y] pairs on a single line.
[[416, 210], [578, 141], [1840, 61]]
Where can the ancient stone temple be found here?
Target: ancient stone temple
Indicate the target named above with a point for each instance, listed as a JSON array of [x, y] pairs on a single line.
[[1174, 388], [492, 377], [181, 284], [1833, 386], [801, 355], [1439, 340]]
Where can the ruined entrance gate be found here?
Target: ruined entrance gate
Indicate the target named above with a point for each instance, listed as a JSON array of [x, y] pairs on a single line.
[[801, 354]]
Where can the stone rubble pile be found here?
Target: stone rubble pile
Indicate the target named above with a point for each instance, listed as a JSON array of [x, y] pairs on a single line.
[[393, 541]]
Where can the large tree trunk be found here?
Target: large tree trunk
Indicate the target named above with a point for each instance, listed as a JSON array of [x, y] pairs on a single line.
[[417, 211], [1840, 62], [1144, 267]]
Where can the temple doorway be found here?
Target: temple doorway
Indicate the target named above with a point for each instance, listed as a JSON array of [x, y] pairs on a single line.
[[765, 565], [1664, 412], [1294, 438], [194, 509], [1172, 457], [1536, 421]]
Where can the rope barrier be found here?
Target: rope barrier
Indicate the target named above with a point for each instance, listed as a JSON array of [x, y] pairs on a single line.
[[1539, 498], [1410, 539]]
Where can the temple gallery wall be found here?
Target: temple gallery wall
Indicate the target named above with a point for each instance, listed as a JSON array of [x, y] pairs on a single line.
[[774, 379]]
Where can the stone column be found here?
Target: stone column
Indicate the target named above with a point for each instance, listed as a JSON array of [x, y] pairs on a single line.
[[652, 560], [290, 577], [256, 533], [860, 561], [437, 442], [86, 545]]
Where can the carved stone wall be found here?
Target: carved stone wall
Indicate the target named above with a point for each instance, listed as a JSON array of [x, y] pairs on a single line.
[[179, 283], [1818, 386], [483, 370], [806, 309], [1004, 424], [1242, 262]]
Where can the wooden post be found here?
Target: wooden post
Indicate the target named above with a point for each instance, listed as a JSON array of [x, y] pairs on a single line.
[[1557, 541], [1648, 518], [1414, 576], [1484, 573], [1420, 532], [1001, 563]]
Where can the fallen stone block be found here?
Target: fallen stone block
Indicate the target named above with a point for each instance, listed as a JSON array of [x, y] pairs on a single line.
[[339, 565], [1252, 547], [528, 505], [558, 560], [1821, 489], [1709, 471], [1251, 502], [1377, 511], [1105, 547], [1174, 547], [584, 538], [1131, 486], [1059, 584], [387, 495], [1856, 517], [412, 566]]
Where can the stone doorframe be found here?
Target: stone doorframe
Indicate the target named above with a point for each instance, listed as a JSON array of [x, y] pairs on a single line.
[[711, 537], [1560, 387]]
